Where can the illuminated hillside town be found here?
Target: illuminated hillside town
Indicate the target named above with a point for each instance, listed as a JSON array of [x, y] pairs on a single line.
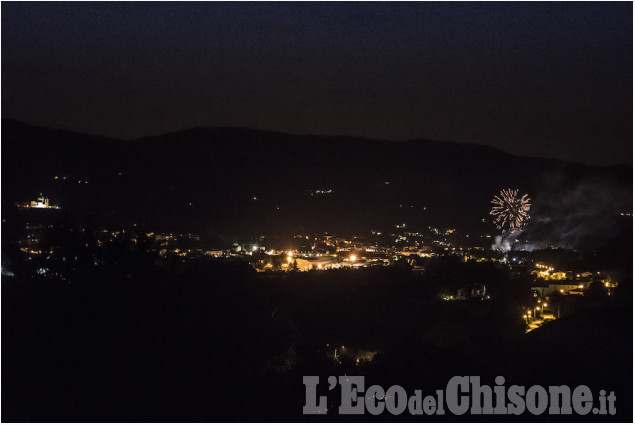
[[412, 250]]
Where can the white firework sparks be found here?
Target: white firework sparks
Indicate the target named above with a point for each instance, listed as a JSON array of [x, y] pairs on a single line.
[[509, 210]]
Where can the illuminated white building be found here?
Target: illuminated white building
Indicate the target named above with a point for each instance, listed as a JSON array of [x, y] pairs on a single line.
[[41, 202]]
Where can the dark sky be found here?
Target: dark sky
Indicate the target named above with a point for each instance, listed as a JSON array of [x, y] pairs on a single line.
[[552, 79]]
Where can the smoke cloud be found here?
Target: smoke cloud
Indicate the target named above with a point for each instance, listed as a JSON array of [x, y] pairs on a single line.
[[507, 240], [578, 215]]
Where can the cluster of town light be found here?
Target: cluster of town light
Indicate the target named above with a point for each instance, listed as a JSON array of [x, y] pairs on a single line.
[[290, 258], [531, 314]]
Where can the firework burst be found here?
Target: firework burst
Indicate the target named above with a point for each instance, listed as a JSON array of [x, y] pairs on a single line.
[[509, 210]]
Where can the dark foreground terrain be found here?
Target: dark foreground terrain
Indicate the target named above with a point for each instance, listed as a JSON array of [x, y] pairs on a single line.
[[211, 341]]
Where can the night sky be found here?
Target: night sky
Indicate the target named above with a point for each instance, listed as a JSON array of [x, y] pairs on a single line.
[[552, 80]]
